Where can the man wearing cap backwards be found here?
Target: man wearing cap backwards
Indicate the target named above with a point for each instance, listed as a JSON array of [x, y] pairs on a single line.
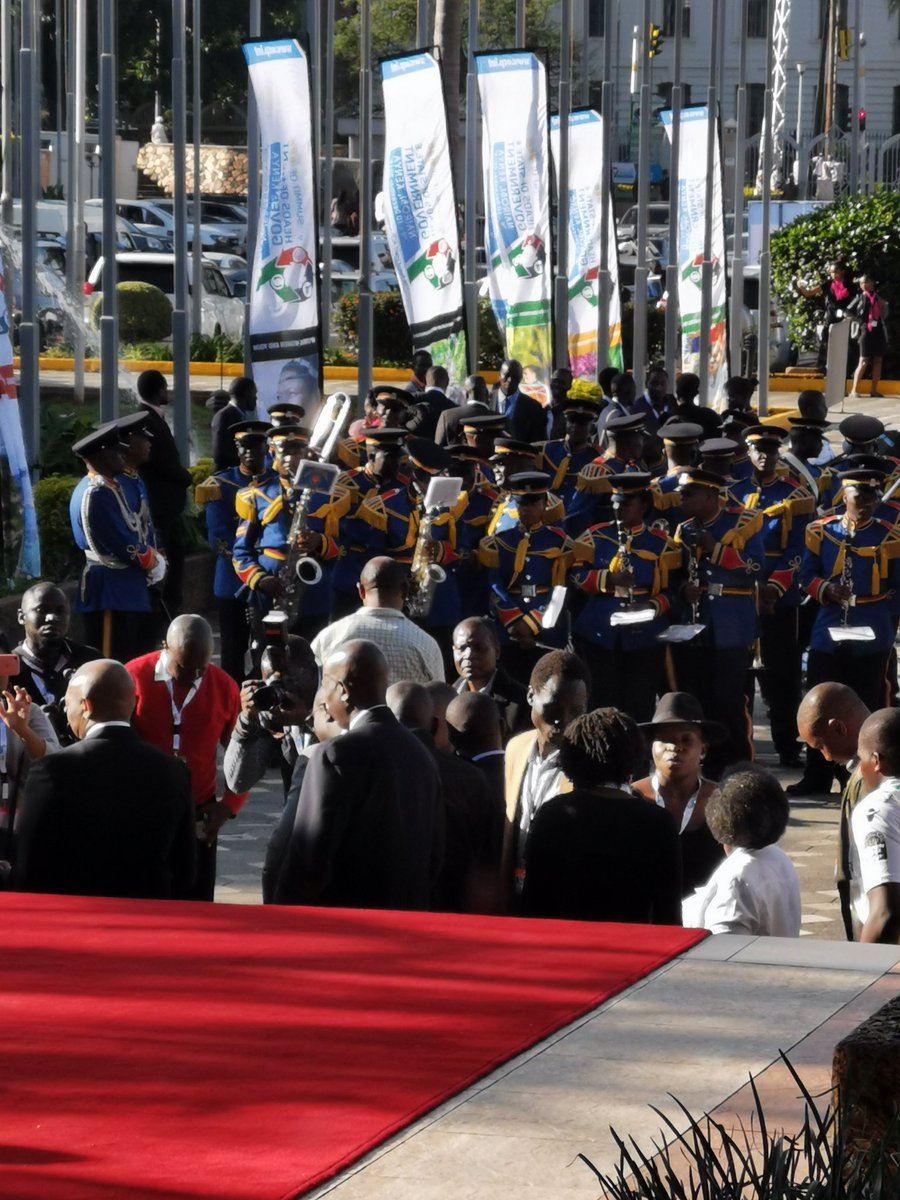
[[851, 568], [724, 542], [787, 506], [217, 496], [526, 562], [681, 441], [620, 570], [564, 457], [264, 514], [591, 501], [120, 564]]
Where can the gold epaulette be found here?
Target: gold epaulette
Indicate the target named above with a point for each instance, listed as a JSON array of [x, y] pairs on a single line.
[[244, 506], [593, 479], [348, 452], [555, 510], [374, 513], [210, 489], [747, 524], [488, 554]]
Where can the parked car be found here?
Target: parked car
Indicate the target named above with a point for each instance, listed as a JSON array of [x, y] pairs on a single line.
[[221, 312], [157, 218], [657, 222]]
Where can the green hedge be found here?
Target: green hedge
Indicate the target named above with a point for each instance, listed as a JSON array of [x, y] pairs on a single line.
[[60, 558], [145, 312]]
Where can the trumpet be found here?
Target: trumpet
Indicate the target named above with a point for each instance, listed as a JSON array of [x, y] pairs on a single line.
[[425, 575]]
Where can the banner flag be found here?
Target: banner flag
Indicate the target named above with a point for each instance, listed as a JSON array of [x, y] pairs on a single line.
[[19, 517], [516, 168], [285, 338], [420, 216], [587, 195], [691, 175]]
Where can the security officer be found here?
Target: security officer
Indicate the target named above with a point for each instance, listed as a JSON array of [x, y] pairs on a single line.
[[681, 442], [723, 557], [137, 440], [624, 568], [564, 457], [120, 563], [787, 506], [525, 563], [217, 496], [591, 502]]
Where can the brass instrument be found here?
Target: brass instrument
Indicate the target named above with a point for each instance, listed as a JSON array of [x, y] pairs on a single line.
[[330, 425], [425, 575], [323, 440]]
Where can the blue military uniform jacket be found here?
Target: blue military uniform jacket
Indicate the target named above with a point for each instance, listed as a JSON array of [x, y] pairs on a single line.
[[505, 512], [117, 551], [654, 557], [564, 467], [874, 553], [525, 566], [728, 577], [786, 507], [217, 496], [592, 499]]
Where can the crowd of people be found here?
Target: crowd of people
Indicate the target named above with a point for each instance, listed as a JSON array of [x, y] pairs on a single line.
[[530, 692]]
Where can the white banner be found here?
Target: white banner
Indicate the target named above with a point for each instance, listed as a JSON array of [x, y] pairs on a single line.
[[513, 90], [12, 448], [285, 350], [420, 208], [691, 176], [588, 192]]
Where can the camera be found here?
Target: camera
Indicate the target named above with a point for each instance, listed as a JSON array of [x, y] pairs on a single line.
[[270, 696]]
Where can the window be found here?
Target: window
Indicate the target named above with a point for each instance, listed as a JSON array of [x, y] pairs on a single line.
[[670, 8], [895, 118], [664, 91], [596, 18], [756, 107], [757, 19]]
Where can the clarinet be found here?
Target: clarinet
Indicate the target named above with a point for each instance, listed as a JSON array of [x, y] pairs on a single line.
[[847, 574], [624, 552], [693, 573]]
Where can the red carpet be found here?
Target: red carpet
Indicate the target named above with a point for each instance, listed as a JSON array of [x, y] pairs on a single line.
[[168, 1051]]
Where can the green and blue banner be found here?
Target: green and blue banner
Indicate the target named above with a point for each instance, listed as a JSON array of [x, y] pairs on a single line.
[[19, 517]]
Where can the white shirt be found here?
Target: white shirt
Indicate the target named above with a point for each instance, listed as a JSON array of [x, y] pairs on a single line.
[[411, 653], [874, 844], [541, 782], [752, 891], [95, 729]]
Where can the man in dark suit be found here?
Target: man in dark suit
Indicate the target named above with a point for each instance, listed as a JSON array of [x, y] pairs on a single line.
[[369, 829], [167, 484], [473, 727], [241, 406], [431, 405], [526, 419], [450, 423], [476, 655], [109, 816]]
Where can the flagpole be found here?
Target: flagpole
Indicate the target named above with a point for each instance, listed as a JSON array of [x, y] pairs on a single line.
[[7, 148], [520, 24], [561, 328], [255, 27], [639, 336], [765, 257], [327, 172], [196, 134], [29, 115], [470, 286], [672, 356], [706, 277], [180, 340], [603, 277], [365, 316], [109, 321]]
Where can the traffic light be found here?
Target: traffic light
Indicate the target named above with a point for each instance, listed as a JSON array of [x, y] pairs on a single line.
[[845, 41], [655, 41], [862, 120]]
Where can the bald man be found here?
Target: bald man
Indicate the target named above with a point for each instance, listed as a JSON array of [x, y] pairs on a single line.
[[109, 815], [475, 729], [411, 653], [875, 831], [187, 707], [829, 720], [369, 829]]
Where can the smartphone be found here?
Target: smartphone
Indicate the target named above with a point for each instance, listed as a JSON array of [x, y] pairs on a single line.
[[9, 664]]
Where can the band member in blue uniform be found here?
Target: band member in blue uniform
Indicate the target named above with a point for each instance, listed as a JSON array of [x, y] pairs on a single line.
[[786, 506], [723, 557], [806, 438], [525, 563], [717, 455], [217, 497], [120, 564], [591, 502], [512, 457], [681, 442], [565, 457], [735, 423], [471, 527], [624, 566]]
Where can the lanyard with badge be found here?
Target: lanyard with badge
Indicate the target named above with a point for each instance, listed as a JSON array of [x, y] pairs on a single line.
[[178, 712], [689, 808]]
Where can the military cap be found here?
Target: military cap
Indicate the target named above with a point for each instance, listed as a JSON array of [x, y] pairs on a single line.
[[629, 483], [529, 483], [390, 394], [864, 462], [718, 447], [739, 416], [580, 411], [763, 435], [802, 422], [463, 452], [135, 423], [106, 437], [700, 477], [385, 438], [863, 477], [504, 446], [630, 423], [681, 432], [283, 435], [252, 431], [860, 429], [427, 455], [489, 422], [282, 413]]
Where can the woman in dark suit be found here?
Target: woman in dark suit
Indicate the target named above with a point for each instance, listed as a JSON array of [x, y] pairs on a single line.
[[870, 311]]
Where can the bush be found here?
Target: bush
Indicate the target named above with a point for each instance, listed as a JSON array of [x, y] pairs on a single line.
[[862, 231], [145, 313], [60, 559], [392, 339], [491, 347], [216, 349], [58, 431]]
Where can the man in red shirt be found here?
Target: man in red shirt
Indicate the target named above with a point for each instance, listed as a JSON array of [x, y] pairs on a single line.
[[187, 706]]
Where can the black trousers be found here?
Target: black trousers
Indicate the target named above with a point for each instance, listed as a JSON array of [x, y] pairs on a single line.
[[120, 635], [780, 678], [234, 633], [717, 679], [170, 532], [865, 673], [629, 680]]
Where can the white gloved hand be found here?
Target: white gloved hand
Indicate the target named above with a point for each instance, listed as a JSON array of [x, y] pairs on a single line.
[[158, 570]]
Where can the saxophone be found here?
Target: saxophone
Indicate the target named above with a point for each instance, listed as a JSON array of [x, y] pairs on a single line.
[[424, 574]]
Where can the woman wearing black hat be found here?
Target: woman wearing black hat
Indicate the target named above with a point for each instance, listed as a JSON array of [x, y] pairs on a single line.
[[679, 737]]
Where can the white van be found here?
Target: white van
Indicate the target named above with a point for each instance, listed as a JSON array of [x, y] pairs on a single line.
[[220, 311], [157, 218]]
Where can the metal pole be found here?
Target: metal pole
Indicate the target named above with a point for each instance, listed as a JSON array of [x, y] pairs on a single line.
[[737, 262], [470, 285], [561, 307], [252, 191], [365, 314], [520, 23], [855, 140], [603, 276], [79, 233], [706, 278], [765, 258], [585, 52], [421, 24], [672, 357], [29, 115], [328, 172], [181, 378], [58, 35], [639, 340], [7, 149], [109, 320], [196, 134], [802, 166]]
